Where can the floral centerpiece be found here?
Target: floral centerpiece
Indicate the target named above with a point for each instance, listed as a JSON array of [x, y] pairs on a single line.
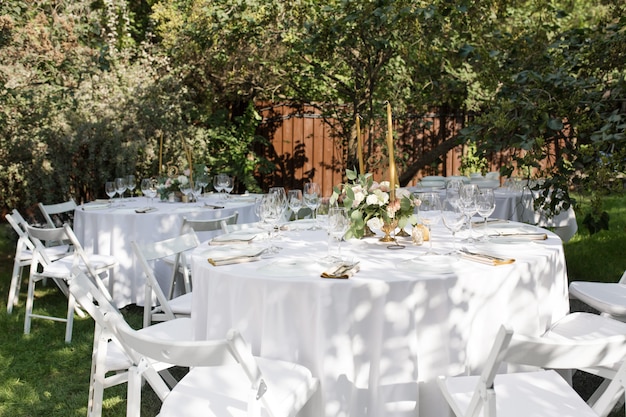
[[369, 204], [169, 185]]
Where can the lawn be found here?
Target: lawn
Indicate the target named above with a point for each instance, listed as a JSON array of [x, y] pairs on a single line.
[[40, 375]]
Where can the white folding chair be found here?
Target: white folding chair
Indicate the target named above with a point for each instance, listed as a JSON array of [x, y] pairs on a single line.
[[59, 211], [60, 271], [148, 254], [24, 255], [110, 360], [224, 379], [609, 298], [582, 326], [540, 392], [199, 226]]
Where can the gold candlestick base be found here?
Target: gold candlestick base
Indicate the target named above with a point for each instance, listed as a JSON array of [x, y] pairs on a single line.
[[387, 228]]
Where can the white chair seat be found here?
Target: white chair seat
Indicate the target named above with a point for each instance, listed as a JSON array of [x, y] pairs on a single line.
[[217, 391], [608, 298], [60, 268], [546, 388], [181, 305]]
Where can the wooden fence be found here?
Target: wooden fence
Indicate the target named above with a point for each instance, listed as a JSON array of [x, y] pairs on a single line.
[[304, 148]]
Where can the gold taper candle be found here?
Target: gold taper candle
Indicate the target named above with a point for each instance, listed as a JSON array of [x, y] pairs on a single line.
[[161, 155], [392, 161], [359, 144]]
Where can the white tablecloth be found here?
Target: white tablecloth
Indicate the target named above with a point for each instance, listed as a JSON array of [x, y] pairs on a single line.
[[110, 231], [378, 340]]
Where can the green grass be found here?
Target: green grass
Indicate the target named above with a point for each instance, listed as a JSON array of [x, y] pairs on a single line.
[[42, 376]]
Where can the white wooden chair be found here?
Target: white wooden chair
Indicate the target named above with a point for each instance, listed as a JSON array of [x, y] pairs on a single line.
[[60, 271], [200, 227], [24, 255], [110, 360], [148, 254], [225, 380], [57, 211], [585, 327], [540, 392], [609, 298]]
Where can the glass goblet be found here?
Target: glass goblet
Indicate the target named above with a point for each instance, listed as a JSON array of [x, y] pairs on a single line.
[[148, 188], [429, 213], [120, 187], [131, 184], [109, 189], [312, 196], [468, 199], [295, 201], [338, 225], [453, 218]]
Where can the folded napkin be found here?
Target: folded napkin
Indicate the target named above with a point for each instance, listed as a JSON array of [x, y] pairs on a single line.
[[230, 238], [145, 210], [218, 261], [95, 206], [483, 258], [213, 206], [341, 271], [526, 236]]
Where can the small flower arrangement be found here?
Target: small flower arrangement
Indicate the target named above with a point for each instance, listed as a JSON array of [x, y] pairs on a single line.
[[368, 203], [171, 184]]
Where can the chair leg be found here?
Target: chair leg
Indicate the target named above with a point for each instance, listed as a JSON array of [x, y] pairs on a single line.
[[30, 295], [69, 323], [14, 288], [96, 381], [133, 400]]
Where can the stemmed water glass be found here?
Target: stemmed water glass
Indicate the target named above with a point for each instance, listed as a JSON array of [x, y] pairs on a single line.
[[338, 225], [109, 189], [270, 211], [468, 199], [120, 187], [485, 204], [429, 213], [196, 191], [185, 189], [131, 183], [312, 196], [148, 188], [218, 183], [453, 218], [295, 201]]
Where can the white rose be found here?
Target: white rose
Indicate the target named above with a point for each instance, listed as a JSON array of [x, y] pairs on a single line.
[[372, 200], [182, 179], [374, 223], [358, 199]]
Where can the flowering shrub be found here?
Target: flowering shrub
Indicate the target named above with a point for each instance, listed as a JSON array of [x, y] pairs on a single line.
[[368, 203]]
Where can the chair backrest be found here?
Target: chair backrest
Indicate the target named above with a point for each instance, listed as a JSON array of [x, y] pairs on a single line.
[[191, 353], [63, 234], [622, 280], [56, 210], [23, 240], [547, 353], [209, 225], [147, 253]]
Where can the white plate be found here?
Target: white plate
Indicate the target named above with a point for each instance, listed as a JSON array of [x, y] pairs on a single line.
[[433, 264], [237, 236], [291, 267]]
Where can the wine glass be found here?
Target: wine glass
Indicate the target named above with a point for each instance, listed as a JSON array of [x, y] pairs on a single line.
[[270, 212], [338, 225], [185, 188], [109, 189], [453, 190], [196, 191], [131, 183], [485, 204], [229, 184], [429, 213], [120, 187], [312, 196], [218, 183], [453, 218], [295, 201], [148, 188], [468, 199]]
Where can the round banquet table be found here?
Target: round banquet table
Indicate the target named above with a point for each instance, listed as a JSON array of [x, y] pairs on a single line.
[[379, 339], [109, 230]]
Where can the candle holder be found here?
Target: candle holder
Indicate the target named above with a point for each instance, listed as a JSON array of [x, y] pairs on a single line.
[[387, 228]]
